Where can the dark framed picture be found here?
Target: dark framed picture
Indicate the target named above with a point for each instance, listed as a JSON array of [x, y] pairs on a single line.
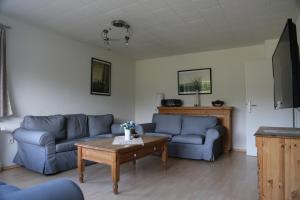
[[194, 80], [100, 77]]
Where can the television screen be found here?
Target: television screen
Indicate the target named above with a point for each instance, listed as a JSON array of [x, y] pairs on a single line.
[[286, 75]]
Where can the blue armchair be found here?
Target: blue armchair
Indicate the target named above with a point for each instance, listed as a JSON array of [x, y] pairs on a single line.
[[192, 137], [52, 190]]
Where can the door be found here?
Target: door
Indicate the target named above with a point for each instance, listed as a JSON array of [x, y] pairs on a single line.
[[259, 102]]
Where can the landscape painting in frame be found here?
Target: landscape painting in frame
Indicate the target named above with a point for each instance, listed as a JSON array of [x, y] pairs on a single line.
[[194, 80], [101, 77]]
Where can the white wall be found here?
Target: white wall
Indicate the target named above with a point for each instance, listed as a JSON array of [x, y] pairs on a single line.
[[228, 82], [267, 115], [49, 74]]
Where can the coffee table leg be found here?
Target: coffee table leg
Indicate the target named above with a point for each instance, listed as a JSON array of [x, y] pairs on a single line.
[[164, 155], [80, 164], [115, 188], [115, 174]]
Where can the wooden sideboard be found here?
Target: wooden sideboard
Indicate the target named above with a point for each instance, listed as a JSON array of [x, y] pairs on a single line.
[[278, 155], [224, 115]]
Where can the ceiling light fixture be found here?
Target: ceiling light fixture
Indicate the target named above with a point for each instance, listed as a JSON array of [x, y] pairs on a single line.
[[123, 32]]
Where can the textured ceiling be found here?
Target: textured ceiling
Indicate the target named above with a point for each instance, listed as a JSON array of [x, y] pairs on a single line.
[[161, 27]]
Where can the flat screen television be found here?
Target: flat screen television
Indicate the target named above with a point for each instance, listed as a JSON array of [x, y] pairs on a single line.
[[286, 69]]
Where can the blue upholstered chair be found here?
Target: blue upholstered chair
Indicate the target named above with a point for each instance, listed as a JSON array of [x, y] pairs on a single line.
[[52, 190], [192, 137]]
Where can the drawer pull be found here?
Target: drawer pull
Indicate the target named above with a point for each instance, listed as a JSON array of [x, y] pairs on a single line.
[[154, 148], [134, 155]]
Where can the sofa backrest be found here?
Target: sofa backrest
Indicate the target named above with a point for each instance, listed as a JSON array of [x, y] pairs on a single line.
[[170, 124], [76, 126], [197, 124], [54, 124], [71, 126], [100, 124]]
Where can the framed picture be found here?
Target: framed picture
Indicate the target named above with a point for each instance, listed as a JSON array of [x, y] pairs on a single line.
[[191, 81], [100, 77]]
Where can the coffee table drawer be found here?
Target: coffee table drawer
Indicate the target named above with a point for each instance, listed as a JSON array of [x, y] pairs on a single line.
[[144, 151]]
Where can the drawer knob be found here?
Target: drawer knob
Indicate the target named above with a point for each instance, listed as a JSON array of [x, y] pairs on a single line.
[[154, 148], [134, 155]]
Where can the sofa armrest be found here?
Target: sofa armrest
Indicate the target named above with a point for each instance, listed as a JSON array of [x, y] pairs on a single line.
[[144, 128], [214, 133], [116, 128], [40, 138], [52, 190]]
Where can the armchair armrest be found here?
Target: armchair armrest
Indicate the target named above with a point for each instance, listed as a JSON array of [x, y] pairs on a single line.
[[213, 142], [40, 138], [144, 128], [52, 190], [214, 133]]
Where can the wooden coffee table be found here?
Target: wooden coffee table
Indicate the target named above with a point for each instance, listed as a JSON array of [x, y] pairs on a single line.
[[102, 151]]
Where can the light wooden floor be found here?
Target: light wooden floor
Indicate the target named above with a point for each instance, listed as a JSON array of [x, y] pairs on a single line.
[[231, 177]]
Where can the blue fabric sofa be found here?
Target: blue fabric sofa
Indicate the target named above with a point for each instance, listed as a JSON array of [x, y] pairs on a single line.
[[192, 137], [46, 143], [52, 190]]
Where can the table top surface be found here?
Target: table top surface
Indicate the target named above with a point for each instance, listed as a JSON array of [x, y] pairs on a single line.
[[106, 144], [278, 132], [196, 108]]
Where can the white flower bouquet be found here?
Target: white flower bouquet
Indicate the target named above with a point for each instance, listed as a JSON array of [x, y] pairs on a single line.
[[128, 125]]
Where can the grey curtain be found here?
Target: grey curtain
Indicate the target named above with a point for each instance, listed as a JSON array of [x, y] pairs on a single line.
[[5, 106]]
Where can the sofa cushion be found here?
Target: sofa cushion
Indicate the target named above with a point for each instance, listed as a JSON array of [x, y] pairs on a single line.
[[100, 124], [64, 146], [54, 124], [69, 145], [6, 189], [197, 124], [167, 123], [103, 136], [189, 139], [169, 136], [76, 126]]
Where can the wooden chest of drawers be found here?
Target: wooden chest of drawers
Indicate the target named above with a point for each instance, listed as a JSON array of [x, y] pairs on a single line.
[[278, 163]]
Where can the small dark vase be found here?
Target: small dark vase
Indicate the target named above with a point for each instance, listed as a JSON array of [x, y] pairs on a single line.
[[217, 103]]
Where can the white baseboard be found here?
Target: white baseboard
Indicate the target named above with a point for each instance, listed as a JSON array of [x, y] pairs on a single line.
[[10, 167], [239, 150]]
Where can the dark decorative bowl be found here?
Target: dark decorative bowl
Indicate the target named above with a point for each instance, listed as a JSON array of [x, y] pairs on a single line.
[[217, 103]]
